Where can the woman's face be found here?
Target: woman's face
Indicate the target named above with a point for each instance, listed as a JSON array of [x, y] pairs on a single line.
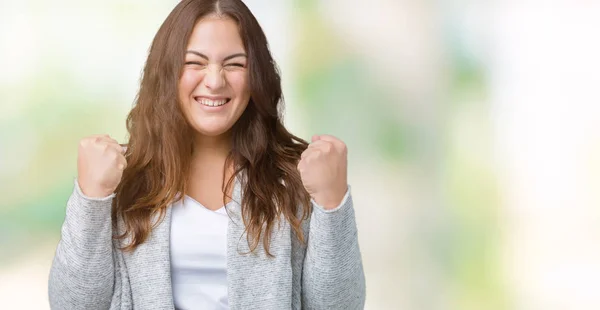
[[214, 89]]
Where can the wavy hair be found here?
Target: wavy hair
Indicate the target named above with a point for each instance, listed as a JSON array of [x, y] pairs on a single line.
[[160, 145]]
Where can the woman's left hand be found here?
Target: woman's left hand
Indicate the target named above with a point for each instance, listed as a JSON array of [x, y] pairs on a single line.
[[323, 169]]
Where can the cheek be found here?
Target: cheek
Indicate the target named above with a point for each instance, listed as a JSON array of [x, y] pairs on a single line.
[[188, 82], [238, 81]]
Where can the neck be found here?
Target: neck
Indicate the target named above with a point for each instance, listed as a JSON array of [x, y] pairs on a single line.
[[210, 152], [205, 176], [218, 146]]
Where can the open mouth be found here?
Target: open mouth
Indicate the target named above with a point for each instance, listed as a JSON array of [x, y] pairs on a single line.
[[212, 102]]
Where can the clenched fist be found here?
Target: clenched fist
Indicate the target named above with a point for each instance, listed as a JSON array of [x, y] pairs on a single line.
[[100, 165], [323, 169]]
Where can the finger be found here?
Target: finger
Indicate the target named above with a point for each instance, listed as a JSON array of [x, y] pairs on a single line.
[[308, 151], [122, 148], [321, 145], [94, 139], [317, 143], [304, 154], [121, 162], [98, 138], [311, 155], [315, 138], [305, 161], [105, 138], [330, 138], [337, 143], [300, 165], [112, 146]]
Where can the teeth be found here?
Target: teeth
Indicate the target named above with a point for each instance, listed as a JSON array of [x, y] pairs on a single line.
[[212, 103]]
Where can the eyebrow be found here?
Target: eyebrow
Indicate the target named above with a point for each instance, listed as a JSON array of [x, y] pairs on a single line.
[[224, 59]]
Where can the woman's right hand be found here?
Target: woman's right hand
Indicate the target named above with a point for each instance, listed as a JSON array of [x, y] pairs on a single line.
[[100, 165]]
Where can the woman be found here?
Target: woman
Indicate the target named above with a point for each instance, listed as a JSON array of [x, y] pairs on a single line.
[[213, 204]]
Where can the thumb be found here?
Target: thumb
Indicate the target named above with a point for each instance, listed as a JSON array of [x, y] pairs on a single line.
[[315, 138]]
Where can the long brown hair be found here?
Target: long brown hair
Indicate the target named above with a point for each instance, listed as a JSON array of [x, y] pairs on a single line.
[[160, 143]]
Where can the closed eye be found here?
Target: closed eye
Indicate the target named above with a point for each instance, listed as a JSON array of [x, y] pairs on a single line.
[[194, 63], [235, 65]]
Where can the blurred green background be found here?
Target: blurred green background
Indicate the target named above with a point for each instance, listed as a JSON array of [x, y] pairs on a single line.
[[473, 132]]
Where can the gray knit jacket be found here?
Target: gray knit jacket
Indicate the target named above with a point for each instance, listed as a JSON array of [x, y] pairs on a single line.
[[90, 272]]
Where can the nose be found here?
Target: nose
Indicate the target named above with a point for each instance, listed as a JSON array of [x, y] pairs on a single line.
[[214, 78]]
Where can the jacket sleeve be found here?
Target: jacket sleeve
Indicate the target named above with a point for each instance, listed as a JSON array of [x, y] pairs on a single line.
[[82, 273], [332, 275]]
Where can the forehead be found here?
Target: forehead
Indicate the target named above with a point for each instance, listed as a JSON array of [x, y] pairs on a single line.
[[216, 34]]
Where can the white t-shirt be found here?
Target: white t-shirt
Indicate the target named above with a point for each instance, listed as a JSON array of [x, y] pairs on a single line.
[[198, 249]]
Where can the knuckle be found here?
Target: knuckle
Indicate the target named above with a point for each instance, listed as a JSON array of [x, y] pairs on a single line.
[[104, 148], [112, 154]]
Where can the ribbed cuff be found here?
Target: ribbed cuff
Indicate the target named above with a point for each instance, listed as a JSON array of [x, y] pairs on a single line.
[[82, 195], [340, 206]]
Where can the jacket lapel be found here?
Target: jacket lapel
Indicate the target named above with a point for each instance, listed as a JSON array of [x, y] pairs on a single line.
[[149, 269], [255, 278]]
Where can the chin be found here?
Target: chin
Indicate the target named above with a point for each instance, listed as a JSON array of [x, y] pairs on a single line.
[[211, 132]]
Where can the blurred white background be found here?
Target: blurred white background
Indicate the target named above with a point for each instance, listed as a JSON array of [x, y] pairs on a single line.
[[473, 129]]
